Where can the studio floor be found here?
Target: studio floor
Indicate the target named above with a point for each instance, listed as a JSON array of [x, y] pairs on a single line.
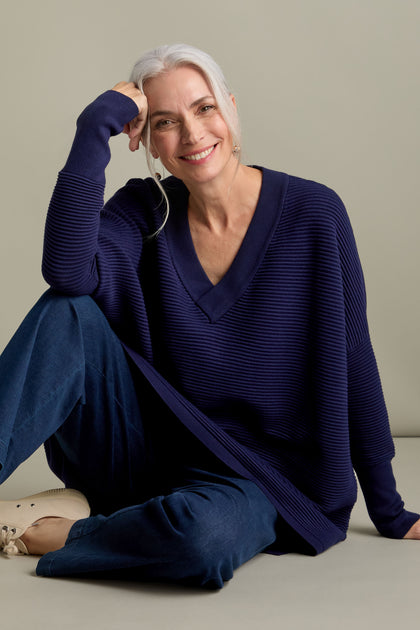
[[366, 582]]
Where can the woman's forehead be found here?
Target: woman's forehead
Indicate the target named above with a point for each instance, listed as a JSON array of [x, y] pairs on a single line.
[[184, 83]]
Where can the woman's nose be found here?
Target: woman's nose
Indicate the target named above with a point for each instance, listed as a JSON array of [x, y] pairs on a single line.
[[191, 131]]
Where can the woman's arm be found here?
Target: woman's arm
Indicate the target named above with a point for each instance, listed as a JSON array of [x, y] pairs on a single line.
[[372, 445], [72, 226], [370, 434]]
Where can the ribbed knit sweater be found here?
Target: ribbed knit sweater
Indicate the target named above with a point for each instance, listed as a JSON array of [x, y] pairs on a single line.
[[272, 368]]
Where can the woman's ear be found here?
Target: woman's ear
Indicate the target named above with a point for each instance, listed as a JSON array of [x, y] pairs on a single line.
[[232, 98]]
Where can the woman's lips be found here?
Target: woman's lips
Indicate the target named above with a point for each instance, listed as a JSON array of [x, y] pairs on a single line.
[[196, 157]]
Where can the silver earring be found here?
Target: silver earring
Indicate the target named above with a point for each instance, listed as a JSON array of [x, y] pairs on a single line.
[[236, 149]]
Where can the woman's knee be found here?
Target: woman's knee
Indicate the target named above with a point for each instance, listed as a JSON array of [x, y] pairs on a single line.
[[70, 321], [56, 307]]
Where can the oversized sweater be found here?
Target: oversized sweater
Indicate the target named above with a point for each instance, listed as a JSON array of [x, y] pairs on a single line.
[[272, 369]]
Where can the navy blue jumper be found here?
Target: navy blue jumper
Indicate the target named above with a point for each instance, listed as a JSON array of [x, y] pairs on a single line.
[[272, 369]]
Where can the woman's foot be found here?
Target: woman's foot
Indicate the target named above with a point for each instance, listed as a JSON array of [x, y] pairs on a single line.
[[47, 534], [59, 508]]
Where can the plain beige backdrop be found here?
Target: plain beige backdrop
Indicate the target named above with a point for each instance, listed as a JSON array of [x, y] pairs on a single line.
[[327, 90]]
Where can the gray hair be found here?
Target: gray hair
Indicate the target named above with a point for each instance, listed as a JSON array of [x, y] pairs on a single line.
[[165, 58]]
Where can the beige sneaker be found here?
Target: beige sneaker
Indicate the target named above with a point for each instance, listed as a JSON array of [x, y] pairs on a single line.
[[17, 516]]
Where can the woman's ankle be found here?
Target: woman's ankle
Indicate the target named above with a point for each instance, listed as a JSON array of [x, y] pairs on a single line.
[[47, 534]]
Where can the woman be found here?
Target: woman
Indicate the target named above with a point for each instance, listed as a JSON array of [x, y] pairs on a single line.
[[217, 401]]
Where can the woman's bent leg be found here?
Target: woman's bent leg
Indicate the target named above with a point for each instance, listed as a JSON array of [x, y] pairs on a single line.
[[64, 379], [197, 535]]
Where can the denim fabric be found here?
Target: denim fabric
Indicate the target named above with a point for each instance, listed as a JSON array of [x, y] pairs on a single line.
[[163, 507]]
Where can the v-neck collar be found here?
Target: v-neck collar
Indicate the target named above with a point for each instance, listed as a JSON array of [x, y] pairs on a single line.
[[216, 299]]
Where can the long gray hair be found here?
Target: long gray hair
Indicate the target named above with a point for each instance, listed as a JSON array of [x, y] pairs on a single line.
[[164, 58]]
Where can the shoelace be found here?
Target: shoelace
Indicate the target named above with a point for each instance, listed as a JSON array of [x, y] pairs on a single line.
[[7, 544]]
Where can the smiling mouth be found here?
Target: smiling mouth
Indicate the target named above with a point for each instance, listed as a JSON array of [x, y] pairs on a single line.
[[198, 156]]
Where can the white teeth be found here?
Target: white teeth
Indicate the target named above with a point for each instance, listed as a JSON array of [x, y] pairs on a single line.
[[199, 156]]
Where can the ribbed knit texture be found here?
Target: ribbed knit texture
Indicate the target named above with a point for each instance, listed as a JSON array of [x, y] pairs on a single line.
[[272, 368]]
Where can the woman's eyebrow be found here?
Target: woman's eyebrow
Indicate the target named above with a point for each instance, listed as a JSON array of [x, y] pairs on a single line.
[[167, 112]]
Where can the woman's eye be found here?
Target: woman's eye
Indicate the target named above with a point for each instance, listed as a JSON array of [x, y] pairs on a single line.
[[207, 108], [162, 123]]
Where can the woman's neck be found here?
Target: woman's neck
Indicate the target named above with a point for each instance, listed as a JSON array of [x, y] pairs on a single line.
[[218, 222], [219, 204]]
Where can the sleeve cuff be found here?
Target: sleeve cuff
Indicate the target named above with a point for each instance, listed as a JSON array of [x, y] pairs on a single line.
[[383, 502], [105, 117]]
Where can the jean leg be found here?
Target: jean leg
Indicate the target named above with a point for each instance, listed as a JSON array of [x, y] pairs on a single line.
[[197, 535], [65, 380], [40, 382]]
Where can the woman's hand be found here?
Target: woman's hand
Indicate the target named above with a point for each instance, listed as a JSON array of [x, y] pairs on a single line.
[[134, 128], [414, 532]]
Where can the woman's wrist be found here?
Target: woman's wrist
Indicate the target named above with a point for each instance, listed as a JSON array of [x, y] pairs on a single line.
[[103, 118], [384, 503]]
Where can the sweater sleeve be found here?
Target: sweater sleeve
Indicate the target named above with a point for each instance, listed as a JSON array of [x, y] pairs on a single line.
[[372, 445], [371, 441], [383, 502], [72, 225]]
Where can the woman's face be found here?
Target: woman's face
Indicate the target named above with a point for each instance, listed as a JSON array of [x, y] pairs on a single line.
[[188, 133]]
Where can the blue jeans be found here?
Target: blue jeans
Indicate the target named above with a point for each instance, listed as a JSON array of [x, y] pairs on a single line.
[[163, 507]]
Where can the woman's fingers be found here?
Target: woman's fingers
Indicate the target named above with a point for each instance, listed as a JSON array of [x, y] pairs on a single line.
[[132, 91], [414, 532], [134, 128]]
